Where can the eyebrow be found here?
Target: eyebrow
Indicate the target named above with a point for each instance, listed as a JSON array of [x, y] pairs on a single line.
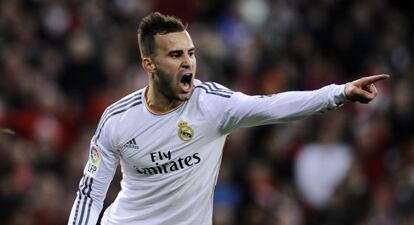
[[180, 51]]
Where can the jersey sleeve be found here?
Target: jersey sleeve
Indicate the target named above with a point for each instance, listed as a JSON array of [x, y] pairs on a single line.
[[235, 109], [97, 175]]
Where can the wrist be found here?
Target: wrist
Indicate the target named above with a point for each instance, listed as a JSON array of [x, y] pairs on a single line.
[[342, 97]]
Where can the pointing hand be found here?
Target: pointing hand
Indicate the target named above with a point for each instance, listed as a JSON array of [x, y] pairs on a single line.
[[363, 90]]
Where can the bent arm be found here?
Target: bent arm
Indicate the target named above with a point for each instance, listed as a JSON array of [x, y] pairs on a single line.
[[97, 176]]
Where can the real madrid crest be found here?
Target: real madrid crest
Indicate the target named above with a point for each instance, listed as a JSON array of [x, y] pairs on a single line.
[[185, 132]]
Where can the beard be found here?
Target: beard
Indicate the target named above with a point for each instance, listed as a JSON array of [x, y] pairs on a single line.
[[166, 84]]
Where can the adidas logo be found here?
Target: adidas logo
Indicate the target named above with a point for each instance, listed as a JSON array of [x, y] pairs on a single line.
[[131, 144]]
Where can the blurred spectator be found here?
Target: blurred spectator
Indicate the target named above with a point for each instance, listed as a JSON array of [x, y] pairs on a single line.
[[322, 165]]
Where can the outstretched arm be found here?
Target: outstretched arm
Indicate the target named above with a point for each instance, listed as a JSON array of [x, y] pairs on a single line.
[[363, 90], [240, 110]]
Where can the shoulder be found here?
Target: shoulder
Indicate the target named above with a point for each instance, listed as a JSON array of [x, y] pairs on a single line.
[[213, 89], [123, 105], [212, 99], [114, 114]]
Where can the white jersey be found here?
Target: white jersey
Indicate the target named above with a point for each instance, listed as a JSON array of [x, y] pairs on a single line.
[[170, 162]]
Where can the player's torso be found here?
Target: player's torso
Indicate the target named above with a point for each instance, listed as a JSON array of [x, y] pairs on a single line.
[[163, 144], [153, 147], [170, 164]]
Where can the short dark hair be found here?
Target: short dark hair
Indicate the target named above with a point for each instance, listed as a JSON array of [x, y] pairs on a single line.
[[153, 24]]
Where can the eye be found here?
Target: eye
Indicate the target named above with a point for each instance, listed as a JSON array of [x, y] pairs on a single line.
[[191, 52], [175, 54]]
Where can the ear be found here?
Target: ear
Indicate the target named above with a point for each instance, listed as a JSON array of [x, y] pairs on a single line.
[[148, 65]]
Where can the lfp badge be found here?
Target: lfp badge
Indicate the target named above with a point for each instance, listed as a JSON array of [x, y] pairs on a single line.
[[94, 156], [94, 161]]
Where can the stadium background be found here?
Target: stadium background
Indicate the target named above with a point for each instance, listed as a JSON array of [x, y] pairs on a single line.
[[62, 62]]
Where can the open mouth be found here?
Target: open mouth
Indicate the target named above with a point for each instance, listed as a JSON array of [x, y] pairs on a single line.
[[186, 82]]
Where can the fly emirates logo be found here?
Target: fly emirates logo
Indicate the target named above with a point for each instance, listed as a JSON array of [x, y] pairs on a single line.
[[162, 167]]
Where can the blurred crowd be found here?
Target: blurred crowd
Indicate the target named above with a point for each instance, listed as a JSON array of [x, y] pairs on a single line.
[[62, 62]]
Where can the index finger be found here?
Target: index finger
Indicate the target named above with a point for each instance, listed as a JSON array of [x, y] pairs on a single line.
[[374, 78]]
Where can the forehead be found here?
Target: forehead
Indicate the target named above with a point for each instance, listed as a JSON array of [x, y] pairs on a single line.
[[173, 41]]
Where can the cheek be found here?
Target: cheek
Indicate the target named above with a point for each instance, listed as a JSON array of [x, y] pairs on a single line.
[[169, 67], [165, 77]]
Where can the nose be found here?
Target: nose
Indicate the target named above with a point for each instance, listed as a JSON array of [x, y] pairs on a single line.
[[186, 63]]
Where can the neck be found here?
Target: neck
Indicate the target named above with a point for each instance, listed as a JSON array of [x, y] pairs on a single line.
[[158, 103]]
